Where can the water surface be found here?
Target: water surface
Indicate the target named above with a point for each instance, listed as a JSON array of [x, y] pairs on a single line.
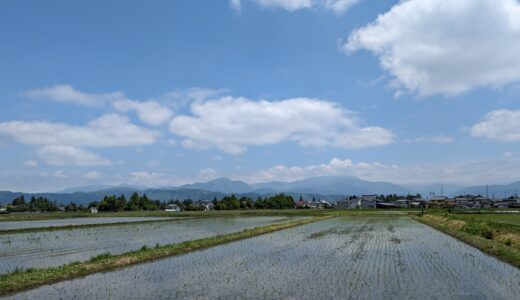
[[54, 248], [376, 258]]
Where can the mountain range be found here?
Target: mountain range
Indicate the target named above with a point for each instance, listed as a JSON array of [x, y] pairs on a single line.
[[323, 187]]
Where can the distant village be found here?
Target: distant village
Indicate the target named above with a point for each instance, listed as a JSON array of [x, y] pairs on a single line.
[[462, 201], [279, 201]]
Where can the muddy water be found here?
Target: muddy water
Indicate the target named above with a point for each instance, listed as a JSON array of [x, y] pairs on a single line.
[[377, 258], [54, 248]]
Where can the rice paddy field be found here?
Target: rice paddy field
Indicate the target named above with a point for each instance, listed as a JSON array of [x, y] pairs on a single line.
[[11, 225], [340, 258], [53, 248]]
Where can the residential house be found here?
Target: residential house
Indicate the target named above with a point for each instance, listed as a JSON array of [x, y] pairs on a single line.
[[172, 208], [347, 204], [403, 203]]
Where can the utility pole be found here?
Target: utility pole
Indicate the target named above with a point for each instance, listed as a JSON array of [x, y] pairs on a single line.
[[487, 192]]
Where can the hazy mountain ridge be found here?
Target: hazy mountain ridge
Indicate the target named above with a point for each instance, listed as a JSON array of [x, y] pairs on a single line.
[[325, 187], [496, 190]]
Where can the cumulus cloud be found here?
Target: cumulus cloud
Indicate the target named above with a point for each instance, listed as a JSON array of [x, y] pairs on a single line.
[[483, 172], [445, 47], [149, 112], [68, 94], [231, 124], [337, 6], [501, 125], [67, 155], [109, 130]]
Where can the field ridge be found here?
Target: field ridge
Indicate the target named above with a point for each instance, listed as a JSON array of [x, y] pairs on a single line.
[[23, 280]]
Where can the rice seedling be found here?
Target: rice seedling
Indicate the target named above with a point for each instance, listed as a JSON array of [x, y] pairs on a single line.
[[361, 262], [54, 248]]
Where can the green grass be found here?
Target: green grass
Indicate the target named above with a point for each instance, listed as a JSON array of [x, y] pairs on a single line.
[[497, 239], [512, 219], [23, 280]]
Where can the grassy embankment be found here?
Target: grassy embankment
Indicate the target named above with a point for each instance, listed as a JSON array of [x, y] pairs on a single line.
[[202, 214], [23, 280], [497, 235]]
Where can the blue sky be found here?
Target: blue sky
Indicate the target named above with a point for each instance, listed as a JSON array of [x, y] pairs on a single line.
[[173, 92]]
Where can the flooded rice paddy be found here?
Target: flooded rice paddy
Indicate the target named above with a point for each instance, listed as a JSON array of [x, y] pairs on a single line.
[[11, 225], [54, 248], [375, 258]]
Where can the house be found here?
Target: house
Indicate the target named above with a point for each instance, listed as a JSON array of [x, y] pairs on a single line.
[[172, 208], [403, 203], [385, 205], [347, 204], [365, 203], [463, 202], [439, 202], [303, 204], [208, 206], [504, 204], [93, 210], [324, 204], [418, 203], [369, 197]]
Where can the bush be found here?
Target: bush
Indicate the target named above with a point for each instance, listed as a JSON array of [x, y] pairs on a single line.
[[480, 229]]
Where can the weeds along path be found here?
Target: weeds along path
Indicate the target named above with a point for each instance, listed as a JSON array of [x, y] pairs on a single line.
[[498, 239], [23, 280]]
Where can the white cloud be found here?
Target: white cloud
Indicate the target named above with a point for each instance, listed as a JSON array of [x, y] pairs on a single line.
[[92, 175], [435, 139], [149, 112], [68, 94], [445, 47], [109, 130], [207, 174], [507, 155], [181, 98], [66, 155], [59, 174], [30, 163], [337, 6], [501, 125], [235, 5], [483, 172], [231, 124]]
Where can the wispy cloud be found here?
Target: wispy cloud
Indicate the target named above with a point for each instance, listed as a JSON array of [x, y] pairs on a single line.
[[336, 6], [68, 94]]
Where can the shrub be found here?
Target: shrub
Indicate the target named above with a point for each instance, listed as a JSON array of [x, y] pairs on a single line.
[[480, 229]]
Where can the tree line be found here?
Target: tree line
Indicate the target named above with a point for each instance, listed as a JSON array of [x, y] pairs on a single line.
[[113, 203], [35, 204]]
